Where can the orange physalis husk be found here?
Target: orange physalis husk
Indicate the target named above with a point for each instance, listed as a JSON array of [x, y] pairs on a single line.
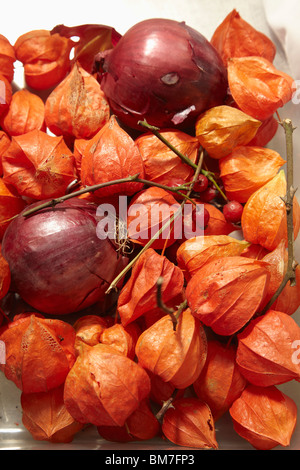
[[88, 329], [45, 416], [138, 296], [217, 224], [104, 387], [160, 391], [223, 128], [4, 144], [5, 94], [265, 350], [234, 37], [11, 204], [45, 57], [5, 276], [264, 416], [78, 150], [123, 338], [227, 292], [151, 316], [39, 352], [175, 356], [7, 58], [277, 267], [247, 169], [194, 253], [288, 300], [189, 423], [148, 211], [264, 216], [161, 164], [220, 381], [110, 155], [265, 133], [38, 165], [257, 87], [26, 113], [255, 251], [140, 426], [77, 107]]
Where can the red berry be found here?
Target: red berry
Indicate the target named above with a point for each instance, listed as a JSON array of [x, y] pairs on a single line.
[[201, 184], [232, 211], [209, 194]]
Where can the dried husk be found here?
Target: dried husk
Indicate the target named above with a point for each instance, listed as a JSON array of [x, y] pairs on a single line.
[[277, 260], [38, 165], [265, 350], [4, 144], [220, 382], [235, 37], [247, 169], [264, 416], [189, 423], [257, 87], [7, 58], [227, 292], [5, 94], [264, 216], [39, 352], [111, 154], [148, 211], [104, 387], [11, 204], [176, 356], [288, 300], [45, 57], [217, 224], [77, 107], [223, 128], [45, 416], [139, 294], [194, 253], [88, 329], [26, 113], [140, 426], [161, 164], [123, 338], [265, 133]]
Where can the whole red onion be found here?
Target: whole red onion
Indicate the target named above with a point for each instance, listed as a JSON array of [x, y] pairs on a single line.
[[163, 71], [58, 264]]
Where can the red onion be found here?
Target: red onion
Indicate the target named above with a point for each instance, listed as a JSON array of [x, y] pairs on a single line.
[[163, 71], [58, 264]]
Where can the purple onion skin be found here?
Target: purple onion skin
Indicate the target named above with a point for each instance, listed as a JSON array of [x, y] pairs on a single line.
[[162, 71], [58, 264]]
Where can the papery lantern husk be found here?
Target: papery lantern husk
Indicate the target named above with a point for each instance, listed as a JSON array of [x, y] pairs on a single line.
[[265, 133], [246, 169], [139, 295], [5, 94], [277, 266], [149, 211], [111, 154], [39, 352], [217, 224], [26, 113], [77, 107], [45, 57], [194, 253], [255, 251], [176, 356], [264, 416], [227, 292], [222, 128], [264, 216], [38, 165], [45, 416], [288, 300], [7, 58], [220, 382], [161, 164], [235, 37], [123, 338], [4, 144], [265, 350], [189, 423], [257, 87], [140, 426], [78, 150], [11, 204], [5, 276], [88, 329], [160, 391], [104, 387]]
